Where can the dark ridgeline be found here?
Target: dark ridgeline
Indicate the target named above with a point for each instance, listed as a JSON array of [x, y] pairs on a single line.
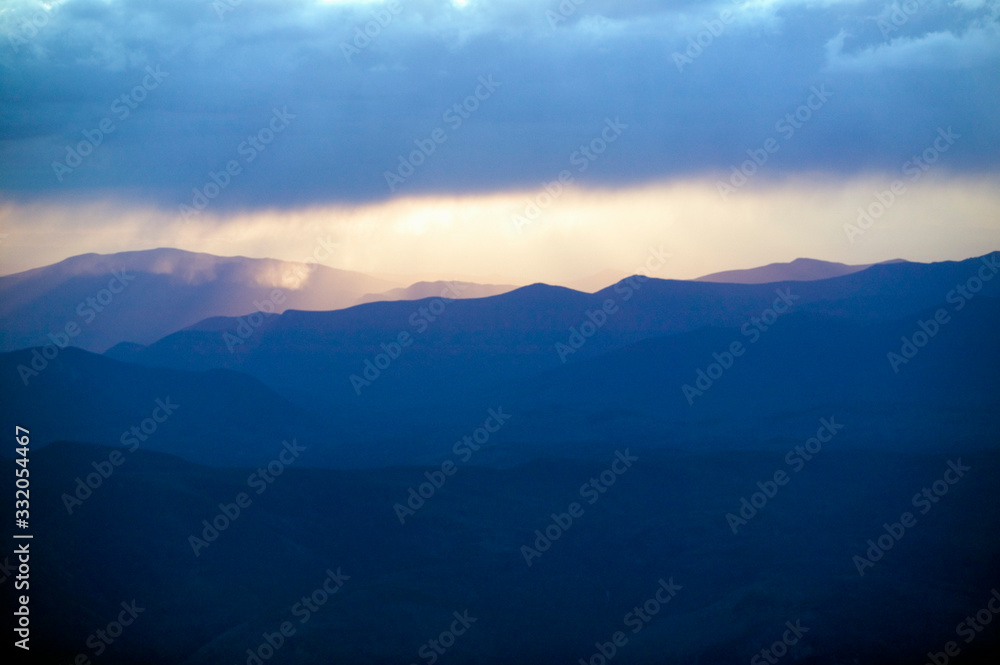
[[715, 388]]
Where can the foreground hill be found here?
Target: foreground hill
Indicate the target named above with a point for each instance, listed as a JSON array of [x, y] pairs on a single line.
[[400, 585], [213, 417]]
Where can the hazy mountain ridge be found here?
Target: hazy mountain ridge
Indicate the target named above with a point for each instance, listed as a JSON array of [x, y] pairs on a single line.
[[96, 301], [526, 324], [439, 289], [157, 292], [797, 270], [828, 353], [108, 297]]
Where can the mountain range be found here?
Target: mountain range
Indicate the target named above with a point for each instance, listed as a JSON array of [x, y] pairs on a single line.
[[108, 297], [397, 382], [105, 299], [533, 466]]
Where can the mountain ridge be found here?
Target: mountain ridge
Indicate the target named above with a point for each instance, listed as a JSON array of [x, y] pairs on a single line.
[[800, 269]]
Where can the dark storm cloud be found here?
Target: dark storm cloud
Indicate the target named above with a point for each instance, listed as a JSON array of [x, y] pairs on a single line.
[[199, 78]]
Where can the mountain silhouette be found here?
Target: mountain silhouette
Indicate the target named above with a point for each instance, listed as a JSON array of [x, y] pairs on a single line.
[[371, 400], [799, 270]]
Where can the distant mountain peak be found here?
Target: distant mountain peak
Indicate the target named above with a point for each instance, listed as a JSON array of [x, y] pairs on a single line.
[[440, 288], [799, 270]]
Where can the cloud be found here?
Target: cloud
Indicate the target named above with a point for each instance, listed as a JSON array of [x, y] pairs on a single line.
[[356, 113], [579, 232], [975, 43]]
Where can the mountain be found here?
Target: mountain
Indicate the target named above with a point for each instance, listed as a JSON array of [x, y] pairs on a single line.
[[454, 347], [213, 417], [799, 270], [159, 532], [141, 296], [422, 290], [688, 390], [662, 471], [399, 382], [96, 301]]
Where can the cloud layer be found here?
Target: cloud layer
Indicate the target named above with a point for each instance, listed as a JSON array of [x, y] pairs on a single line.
[[697, 84], [745, 132], [501, 238]]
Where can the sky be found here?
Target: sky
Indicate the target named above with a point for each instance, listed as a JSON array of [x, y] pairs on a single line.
[[515, 141]]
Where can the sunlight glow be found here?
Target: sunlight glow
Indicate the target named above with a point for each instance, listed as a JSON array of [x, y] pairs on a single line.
[[526, 236]]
